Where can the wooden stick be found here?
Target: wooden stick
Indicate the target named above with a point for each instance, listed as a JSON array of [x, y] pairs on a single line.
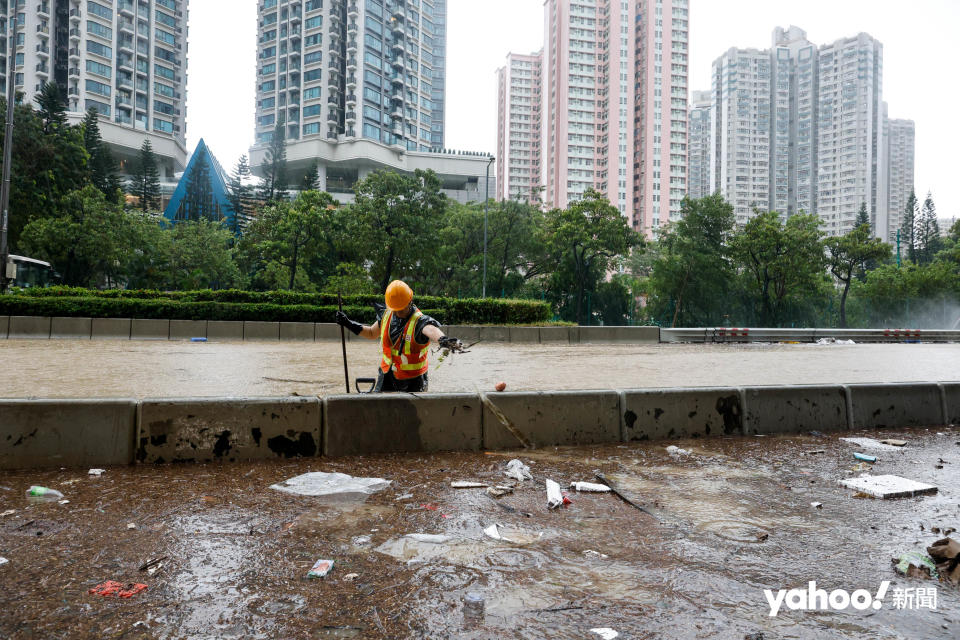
[[602, 478], [343, 345]]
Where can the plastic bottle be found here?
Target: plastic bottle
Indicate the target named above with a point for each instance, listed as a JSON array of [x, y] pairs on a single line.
[[43, 494], [473, 606]]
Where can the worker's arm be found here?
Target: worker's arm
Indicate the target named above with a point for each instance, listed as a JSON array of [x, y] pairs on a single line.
[[367, 331], [435, 334]]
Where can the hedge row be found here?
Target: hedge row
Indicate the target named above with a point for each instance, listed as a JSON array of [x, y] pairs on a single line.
[[454, 312]]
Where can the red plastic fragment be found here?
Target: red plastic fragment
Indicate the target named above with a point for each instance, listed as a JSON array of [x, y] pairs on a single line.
[[112, 588]]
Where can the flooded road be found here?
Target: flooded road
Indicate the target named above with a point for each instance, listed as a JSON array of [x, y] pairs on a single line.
[[736, 519], [81, 369]]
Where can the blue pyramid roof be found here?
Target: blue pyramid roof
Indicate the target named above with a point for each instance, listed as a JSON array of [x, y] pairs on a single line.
[[177, 207]]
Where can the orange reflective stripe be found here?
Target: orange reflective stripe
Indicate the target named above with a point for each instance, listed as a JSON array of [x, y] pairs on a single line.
[[411, 360]]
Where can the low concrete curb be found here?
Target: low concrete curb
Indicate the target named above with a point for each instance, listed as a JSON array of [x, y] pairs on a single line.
[[148, 329], [253, 330], [38, 433], [29, 328], [187, 329], [4, 326], [71, 328], [224, 330], [111, 329]]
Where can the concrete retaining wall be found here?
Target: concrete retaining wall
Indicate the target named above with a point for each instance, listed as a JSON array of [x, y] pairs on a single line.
[[71, 328], [39, 433], [4, 326]]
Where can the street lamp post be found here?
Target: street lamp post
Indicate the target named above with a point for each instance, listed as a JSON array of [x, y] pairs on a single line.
[[7, 150], [486, 205]]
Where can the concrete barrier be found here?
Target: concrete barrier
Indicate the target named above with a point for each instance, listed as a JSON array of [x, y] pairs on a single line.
[[71, 328], [4, 327], [186, 329], [655, 414], [224, 330], [297, 331], [895, 405], [553, 418], [29, 328], [525, 334], [149, 329], [619, 335], [208, 429], [467, 334], [493, 334], [395, 423], [327, 332], [111, 329], [951, 402], [55, 433], [795, 409], [254, 330], [555, 335]]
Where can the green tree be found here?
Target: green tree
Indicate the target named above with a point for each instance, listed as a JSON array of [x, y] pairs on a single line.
[[349, 279], [848, 253], [273, 185], [284, 236], [585, 237], [399, 215], [783, 263], [692, 277], [86, 240], [863, 217], [311, 179], [928, 235], [103, 166], [908, 226], [145, 179], [240, 195], [201, 256], [53, 110]]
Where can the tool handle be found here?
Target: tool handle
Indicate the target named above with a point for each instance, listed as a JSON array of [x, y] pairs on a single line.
[[343, 346]]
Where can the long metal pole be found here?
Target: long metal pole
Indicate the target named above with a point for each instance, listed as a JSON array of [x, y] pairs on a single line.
[[8, 150], [343, 345], [486, 206]]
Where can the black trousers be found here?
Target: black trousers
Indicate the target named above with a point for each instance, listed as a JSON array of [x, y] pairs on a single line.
[[387, 383]]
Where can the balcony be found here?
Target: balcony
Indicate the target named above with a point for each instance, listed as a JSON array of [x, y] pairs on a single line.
[[43, 51], [75, 34], [43, 69], [125, 26], [75, 15], [397, 114], [124, 101], [353, 11], [43, 30], [74, 53], [43, 9], [351, 117], [125, 9], [397, 61]]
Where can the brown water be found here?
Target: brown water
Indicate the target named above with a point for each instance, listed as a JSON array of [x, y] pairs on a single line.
[[66, 368], [237, 553]]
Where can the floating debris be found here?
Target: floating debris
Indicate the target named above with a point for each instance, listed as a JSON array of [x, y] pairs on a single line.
[[888, 486], [333, 485]]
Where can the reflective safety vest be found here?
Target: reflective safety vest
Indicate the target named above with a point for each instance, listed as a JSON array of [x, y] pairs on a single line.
[[410, 359]]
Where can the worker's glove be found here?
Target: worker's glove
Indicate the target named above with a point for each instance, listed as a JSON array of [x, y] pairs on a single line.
[[347, 323], [453, 344]]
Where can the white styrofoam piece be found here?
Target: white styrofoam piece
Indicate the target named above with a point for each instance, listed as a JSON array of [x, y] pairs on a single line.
[[331, 485], [554, 497], [870, 443], [888, 486]]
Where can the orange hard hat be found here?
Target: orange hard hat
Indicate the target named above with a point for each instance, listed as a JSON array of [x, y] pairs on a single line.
[[399, 295]]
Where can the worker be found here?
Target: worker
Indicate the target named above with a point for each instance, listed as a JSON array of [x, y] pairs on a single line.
[[405, 334]]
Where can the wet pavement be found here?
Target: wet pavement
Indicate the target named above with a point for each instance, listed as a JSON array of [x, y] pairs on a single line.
[[80, 369], [736, 519]]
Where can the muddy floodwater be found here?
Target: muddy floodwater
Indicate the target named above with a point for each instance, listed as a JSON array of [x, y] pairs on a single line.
[[231, 555], [79, 369]]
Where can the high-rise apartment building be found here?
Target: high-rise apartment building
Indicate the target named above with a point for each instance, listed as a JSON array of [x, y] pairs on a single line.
[[660, 116], [355, 86], [613, 108], [900, 139], [126, 59], [518, 138], [800, 129], [698, 145]]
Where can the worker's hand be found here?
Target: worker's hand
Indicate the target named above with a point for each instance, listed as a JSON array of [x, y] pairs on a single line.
[[347, 323], [448, 342]]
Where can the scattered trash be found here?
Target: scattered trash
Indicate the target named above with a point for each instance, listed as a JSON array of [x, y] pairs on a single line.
[[430, 507], [602, 478], [753, 636], [96, 472], [864, 457], [499, 490], [834, 341], [405, 496], [198, 339], [473, 604], [914, 564], [894, 443], [500, 386], [861, 495], [112, 588], [43, 494], [8, 512], [816, 505], [463, 484], [514, 536], [432, 538], [677, 451], [870, 443], [946, 553], [589, 487], [350, 577], [131, 525], [320, 569], [361, 541], [605, 632], [554, 497], [338, 486], [3, 561], [510, 509], [762, 537], [861, 466], [888, 486], [152, 566], [595, 554], [814, 452], [518, 470]]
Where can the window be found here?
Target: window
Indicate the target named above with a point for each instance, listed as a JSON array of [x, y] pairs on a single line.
[[164, 54], [99, 49], [162, 125], [98, 29], [95, 67], [102, 109], [163, 107], [373, 60], [310, 58], [370, 131], [98, 87], [268, 103], [370, 94], [269, 85], [311, 93], [313, 23], [170, 4], [373, 42], [313, 40], [312, 110], [163, 72], [100, 10], [311, 129], [267, 120], [268, 69], [163, 36], [167, 19], [313, 74], [370, 112]]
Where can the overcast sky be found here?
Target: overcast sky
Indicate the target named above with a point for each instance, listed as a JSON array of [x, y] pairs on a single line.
[[919, 53]]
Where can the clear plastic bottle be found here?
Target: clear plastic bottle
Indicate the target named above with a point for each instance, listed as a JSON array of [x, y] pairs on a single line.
[[473, 605], [43, 494]]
